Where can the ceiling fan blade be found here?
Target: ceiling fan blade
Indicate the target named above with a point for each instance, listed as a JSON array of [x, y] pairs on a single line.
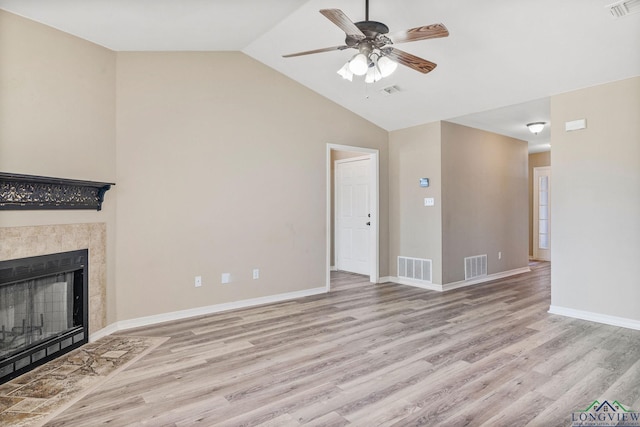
[[341, 20], [409, 60], [432, 31], [309, 52]]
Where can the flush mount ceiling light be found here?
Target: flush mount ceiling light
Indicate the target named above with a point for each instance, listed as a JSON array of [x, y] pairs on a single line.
[[376, 58], [536, 127]]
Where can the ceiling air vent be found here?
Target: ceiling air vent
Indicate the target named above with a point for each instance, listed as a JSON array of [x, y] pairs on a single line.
[[390, 90], [624, 8]]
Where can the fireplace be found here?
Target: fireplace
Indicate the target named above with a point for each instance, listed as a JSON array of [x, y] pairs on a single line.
[[43, 309]]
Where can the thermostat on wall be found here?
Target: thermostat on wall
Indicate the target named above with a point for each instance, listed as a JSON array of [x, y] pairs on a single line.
[[424, 182]]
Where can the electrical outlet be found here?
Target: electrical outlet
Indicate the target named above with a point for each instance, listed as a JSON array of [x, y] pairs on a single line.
[[198, 281], [226, 278], [256, 273]]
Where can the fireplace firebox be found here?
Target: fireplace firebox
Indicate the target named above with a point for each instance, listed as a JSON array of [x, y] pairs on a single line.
[[43, 309]]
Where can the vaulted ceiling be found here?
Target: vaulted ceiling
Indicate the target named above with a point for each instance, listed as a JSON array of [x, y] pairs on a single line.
[[496, 70]]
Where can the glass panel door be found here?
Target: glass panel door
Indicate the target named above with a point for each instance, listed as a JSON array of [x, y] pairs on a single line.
[[542, 213]]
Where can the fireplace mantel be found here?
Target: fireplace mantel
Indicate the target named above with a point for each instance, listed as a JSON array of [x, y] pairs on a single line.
[[30, 192]]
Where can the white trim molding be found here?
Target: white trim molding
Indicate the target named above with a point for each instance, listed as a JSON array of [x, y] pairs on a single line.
[[201, 311], [595, 317], [416, 283], [454, 285], [487, 278], [112, 328]]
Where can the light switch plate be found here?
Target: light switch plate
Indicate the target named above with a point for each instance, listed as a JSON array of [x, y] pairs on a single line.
[[429, 201]]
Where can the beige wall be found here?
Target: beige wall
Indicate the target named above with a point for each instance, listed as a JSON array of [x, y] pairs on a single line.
[[478, 180], [57, 118], [220, 164], [596, 200], [415, 230], [58, 103], [222, 168], [536, 160], [484, 200]]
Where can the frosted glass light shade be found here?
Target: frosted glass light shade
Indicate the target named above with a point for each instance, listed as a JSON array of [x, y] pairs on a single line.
[[387, 66], [359, 65], [345, 72], [373, 74], [536, 127]]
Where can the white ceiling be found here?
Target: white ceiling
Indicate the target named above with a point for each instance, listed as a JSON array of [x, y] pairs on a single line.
[[496, 70]]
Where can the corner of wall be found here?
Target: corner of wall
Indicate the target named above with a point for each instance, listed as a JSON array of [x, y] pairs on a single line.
[[415, 230]]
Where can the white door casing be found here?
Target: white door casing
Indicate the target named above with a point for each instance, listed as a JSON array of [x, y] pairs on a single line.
[[542, 213], [353, 215]]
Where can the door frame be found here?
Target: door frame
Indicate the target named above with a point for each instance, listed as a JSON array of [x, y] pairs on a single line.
[[374, 245], [536, 211]]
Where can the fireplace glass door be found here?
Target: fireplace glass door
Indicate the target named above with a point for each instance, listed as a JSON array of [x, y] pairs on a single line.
[[43, 309], [35, 310]]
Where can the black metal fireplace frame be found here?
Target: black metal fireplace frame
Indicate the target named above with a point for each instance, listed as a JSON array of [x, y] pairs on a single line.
[[19, 270]]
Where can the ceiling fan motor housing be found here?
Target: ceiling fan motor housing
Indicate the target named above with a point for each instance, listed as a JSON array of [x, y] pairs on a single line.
[[371, 30]]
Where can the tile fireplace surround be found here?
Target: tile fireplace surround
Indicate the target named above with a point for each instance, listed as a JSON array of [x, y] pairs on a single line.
[[21, 242]]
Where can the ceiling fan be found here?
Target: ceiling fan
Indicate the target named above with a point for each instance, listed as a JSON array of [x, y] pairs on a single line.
[[376, 58]]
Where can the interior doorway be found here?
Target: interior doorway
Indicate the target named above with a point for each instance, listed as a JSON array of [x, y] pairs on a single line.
[[364, 236]]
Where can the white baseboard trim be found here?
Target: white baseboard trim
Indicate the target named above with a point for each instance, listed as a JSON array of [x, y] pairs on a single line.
[[595, 317], [103, 332], [455, 285], [416, 284], [201, 311], [333, 268], [487, 278]]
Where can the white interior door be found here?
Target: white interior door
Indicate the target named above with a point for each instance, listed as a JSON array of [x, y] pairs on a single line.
[[353, 215], [542, 213]]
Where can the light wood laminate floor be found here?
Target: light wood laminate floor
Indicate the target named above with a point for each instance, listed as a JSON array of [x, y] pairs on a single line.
[[373, 355]]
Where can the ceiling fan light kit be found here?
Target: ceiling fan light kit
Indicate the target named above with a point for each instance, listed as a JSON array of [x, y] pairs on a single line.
[[373, 66], [376, 58]]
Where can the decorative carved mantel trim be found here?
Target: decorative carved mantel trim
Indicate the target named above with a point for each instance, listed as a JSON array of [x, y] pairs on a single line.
[[29, 192]]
